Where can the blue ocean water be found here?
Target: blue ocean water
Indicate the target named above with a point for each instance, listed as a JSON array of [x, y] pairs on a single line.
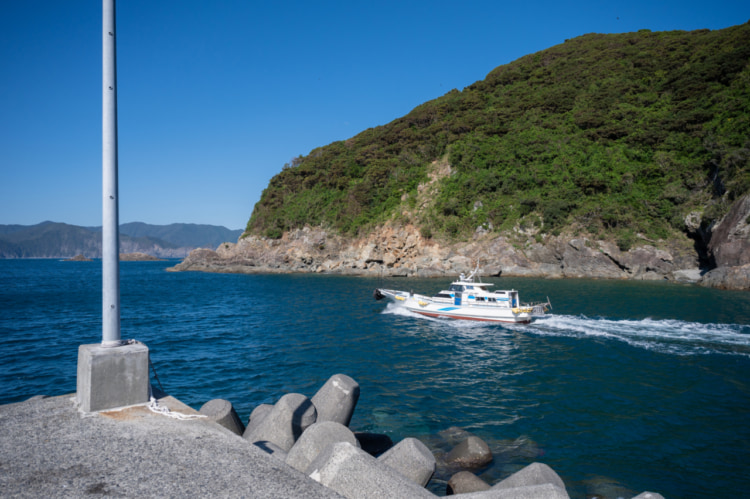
[[625, 387]]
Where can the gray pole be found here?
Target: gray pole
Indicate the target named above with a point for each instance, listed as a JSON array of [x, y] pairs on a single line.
[[110, 222]]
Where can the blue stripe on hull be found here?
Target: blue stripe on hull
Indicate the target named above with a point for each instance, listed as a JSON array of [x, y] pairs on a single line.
[[465, 317]]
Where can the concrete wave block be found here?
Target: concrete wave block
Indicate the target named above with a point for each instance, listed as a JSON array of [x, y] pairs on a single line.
[[258, 414], [354, 473], [545, 491], [316, 438], [464, 482], [473, 452], [649, 495], [411, 458], [336, 399], [533, 474], [221, 411], [284, 423]]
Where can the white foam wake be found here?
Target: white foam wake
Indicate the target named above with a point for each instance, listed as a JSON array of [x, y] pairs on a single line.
[[664, 335]]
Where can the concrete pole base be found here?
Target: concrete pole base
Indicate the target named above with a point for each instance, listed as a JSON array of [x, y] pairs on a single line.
[[112, 377]]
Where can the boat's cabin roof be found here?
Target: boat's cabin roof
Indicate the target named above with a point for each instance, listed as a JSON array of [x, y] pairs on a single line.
[[480, 287], [467, 283], [471, 283]]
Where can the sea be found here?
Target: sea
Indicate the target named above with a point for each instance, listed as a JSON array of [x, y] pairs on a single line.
[[623, 387]]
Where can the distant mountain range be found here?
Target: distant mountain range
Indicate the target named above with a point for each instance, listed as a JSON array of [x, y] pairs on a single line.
[[60, 240]]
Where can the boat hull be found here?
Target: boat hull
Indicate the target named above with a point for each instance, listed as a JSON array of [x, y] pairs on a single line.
[[468, 317], [426, 306]]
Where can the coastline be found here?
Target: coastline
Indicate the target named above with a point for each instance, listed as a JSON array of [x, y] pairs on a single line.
[[403, 252]]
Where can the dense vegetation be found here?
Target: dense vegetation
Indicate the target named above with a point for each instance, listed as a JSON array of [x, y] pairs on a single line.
[[608, 134]]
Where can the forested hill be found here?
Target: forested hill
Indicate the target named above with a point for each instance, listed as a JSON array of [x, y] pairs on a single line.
[[60, 240], [609, 135]]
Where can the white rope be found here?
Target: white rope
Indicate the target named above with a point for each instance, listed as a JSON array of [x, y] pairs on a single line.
[[154, 406]]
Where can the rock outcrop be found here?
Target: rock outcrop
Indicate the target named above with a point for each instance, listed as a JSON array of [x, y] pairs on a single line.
[[729, 247], [730, 237], [401, 250]]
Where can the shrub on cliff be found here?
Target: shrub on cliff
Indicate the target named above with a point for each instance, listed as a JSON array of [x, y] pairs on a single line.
[[608, 132]]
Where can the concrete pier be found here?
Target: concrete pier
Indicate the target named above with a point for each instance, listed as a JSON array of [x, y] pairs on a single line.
[[51, 449]]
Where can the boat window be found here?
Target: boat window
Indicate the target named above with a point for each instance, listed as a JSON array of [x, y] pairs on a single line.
[[469, 287], [443, 295]]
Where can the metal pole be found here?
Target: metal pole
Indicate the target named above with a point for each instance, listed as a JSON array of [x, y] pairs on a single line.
[[110, 222]]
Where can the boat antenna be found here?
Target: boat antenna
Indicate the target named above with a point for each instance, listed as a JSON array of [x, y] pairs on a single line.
[[473, 272]]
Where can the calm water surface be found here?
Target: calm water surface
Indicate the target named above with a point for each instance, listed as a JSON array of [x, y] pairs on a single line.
[[626, 387]]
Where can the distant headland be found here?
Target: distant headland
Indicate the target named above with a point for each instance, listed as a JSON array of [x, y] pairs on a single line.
[[60, 240]]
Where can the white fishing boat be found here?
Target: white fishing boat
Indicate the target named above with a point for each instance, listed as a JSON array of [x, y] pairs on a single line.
[[470, 299]]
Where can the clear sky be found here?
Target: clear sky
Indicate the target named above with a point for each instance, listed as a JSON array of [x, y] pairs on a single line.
[[215, 96]]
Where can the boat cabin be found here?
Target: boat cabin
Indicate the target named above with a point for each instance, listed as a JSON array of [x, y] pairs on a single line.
[[475, 293]]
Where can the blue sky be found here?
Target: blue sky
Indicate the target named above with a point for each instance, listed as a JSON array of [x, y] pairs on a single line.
[[215, 96]]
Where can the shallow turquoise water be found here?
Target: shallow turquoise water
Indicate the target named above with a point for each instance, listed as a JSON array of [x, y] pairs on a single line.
[[625, 387]]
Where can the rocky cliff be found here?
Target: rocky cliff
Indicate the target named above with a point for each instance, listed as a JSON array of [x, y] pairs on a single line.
[[401, 250], [729, 249]]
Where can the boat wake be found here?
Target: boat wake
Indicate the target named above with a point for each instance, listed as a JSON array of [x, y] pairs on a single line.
[[668, 336], [393, 309], [665, 335]]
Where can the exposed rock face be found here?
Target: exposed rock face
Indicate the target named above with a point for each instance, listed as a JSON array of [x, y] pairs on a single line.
[[730, 238], [403, 251], [397, 250], [728, 278]]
